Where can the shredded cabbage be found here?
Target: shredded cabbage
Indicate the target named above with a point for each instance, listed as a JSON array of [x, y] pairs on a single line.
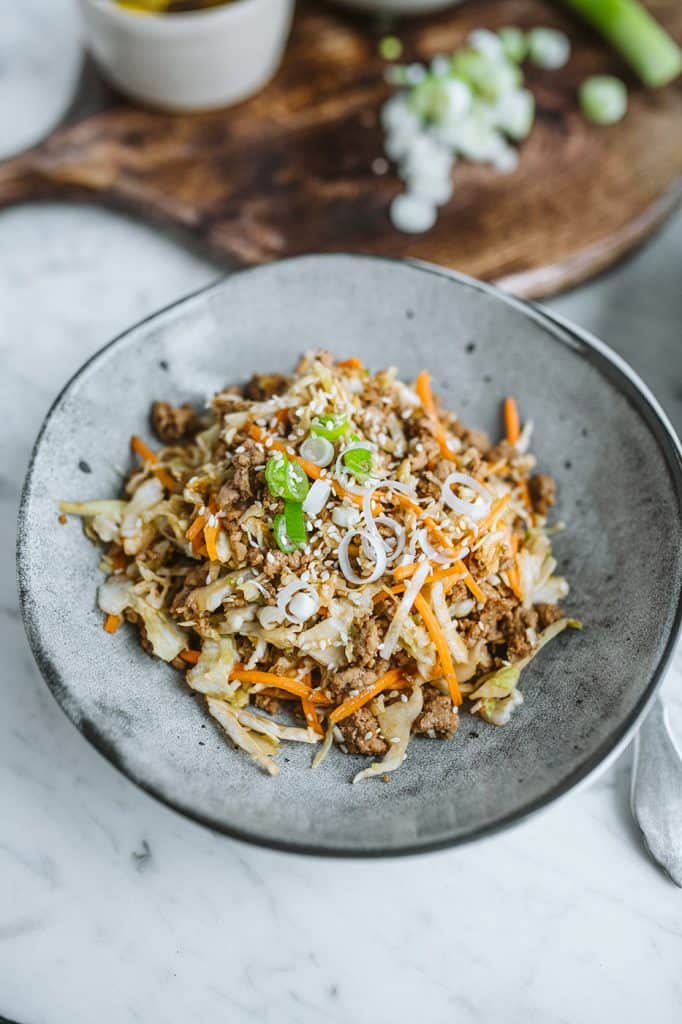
[[166, 638], [240, 736], [396, 725], [212, 671]]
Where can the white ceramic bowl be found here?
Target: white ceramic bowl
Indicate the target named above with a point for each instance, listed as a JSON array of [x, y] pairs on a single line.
[[193, 61]]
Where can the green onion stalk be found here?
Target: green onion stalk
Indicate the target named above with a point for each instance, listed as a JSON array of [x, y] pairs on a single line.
[[636, 35]]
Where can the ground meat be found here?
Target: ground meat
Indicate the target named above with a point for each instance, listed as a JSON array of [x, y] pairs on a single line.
[[365, 643], [196, 577], [437, 715], [547, 614], [236, 537], [514, 626], [276, 561], [263, 386], [244, 462], [173, 423], [542, 490], [361, 733], [269, 704], [501, 452], [338, 684]]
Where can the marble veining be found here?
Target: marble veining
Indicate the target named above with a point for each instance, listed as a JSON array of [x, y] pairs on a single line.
[[114, 909]]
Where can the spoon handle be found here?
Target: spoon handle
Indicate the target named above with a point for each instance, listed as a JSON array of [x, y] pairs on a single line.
[[656, 795]]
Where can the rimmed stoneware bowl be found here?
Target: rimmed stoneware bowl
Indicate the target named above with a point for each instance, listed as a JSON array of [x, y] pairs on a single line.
[[597, 428]]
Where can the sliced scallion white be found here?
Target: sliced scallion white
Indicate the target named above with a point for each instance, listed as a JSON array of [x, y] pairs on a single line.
[[603, 99], [548, 48]]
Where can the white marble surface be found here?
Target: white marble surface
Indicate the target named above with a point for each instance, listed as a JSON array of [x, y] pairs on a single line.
[[112, 908]]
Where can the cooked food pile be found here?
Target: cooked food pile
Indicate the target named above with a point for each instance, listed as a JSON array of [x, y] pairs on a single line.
[[334, 558]]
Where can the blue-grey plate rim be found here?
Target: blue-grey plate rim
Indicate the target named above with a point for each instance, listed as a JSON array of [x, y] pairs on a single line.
[[621, 375]]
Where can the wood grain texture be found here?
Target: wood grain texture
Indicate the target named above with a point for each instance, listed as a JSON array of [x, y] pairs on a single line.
[[289, 171]]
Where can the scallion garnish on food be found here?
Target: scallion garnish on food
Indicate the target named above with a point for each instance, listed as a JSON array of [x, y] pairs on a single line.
[[603, 99]]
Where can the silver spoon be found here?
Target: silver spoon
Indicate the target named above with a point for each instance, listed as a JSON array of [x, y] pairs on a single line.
[[656, 795]]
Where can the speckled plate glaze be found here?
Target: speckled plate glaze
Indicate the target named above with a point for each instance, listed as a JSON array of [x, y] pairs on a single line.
[[597, 429]]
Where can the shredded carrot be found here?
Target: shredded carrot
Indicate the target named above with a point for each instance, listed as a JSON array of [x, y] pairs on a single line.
[[512, 425], [311, 716], [442, 649], [191, 657], [287, 683], [211, 532], [389, 679], [143, 450], [406, 502], [281, 415], [196, 527], [111, 623], [278, 694], [423, 389], [383, 594], [169, 482], [497, 467], [351, 364], [471, 584], [495, 509], [439, 535], [147, 455], [452, 574], [403, 572], [513, 574]]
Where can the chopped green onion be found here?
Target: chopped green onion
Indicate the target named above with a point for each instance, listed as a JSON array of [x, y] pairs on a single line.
[[603, 99], [295, 522], [359, 462], [636, 35], [514, 43], [286, 479], [282, 539], [489, 78], [429, 98], [390, 48], [330, 427], [275, 474], [296, 484], [548, 48]]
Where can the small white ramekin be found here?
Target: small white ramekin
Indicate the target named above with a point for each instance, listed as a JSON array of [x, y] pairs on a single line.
[[194, 61]]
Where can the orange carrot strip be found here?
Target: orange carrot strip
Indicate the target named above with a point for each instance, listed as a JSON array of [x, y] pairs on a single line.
[[286, 683], [169, 482], [495, 510], [402, 499], [439, 535], [191, 657], [512, 425], [513, 574], [403, 572], [210, 536], [311, 716], [143, 450], [196, 527], [111, 623], [147, 455], [451, 574], [353, 703], [351, 364], [471, 583], [442, 649], [423, 389]]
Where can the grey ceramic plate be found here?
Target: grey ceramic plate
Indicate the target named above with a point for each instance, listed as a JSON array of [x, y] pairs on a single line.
[[597, 429]]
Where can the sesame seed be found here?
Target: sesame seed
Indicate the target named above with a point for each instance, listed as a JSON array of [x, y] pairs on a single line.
[[403, 697], [369, 734]]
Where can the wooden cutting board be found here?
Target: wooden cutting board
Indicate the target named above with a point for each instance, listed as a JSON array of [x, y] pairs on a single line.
[[290, 170]]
